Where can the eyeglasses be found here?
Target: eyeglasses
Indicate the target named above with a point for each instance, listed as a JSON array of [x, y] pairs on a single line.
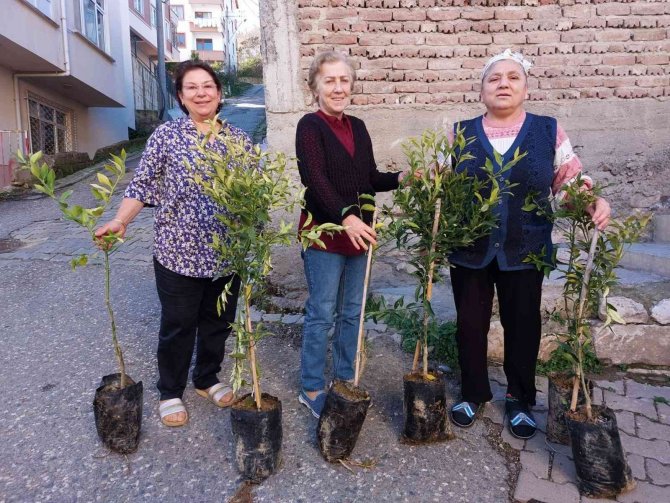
[[209, 88]]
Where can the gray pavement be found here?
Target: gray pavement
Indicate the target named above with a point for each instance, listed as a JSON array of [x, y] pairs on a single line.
[[56, 347]]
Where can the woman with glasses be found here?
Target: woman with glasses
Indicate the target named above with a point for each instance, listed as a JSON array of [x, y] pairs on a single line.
[[185, 265]]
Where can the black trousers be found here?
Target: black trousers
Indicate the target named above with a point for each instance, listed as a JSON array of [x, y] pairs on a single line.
[[188, 310], [519, 296]]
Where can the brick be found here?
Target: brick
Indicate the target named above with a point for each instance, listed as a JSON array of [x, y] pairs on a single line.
[[647, 9], [374, 52], [409, 39], [543, 37], [450, 87], [376, 39], [615, 22], [529, 487], [393, 27], [653, 59], [511, 13], [411, 87], [631, 92], [626, 421], [340, 39], [378, 87], [376, 15], [372, 75], [648, 22], [535, 462], [572, 36], [651, 430], [414, 26], [441, 39], [374, 26], [410, 64], [428, 27], [442, 14], [635, 389], [339, 13], [308, 14], [619, 59], [613, 36], [649, 35], [377, 63], [545, 12], [359, 26], [614, 401], [474, 39], [656, 449], [440, 99], [580, 11], [444, 64], [409, 15], [658, 473], [396, 76], [509, 38], [476, 14], [613, 9], [311, 38]]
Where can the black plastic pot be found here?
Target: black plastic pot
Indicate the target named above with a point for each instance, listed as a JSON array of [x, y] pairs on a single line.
[[258, 436], [425, 409], [602, 469], [341, 420], [118, 413], [560, 395]]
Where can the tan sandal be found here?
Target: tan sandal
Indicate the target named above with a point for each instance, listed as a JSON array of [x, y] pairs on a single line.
[[169, 407], [215, 393]]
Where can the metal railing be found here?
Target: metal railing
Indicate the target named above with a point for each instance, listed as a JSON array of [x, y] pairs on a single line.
[[147, 91]]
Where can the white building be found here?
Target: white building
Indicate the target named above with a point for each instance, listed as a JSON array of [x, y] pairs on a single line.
[[66, 70], [209, 28]]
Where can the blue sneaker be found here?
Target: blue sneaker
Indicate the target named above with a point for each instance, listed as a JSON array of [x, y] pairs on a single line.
[[315, 406]]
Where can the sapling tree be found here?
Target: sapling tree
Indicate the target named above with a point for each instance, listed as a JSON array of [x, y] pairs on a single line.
[[254, 187], [440, 209], [588, 268], [88, 218]]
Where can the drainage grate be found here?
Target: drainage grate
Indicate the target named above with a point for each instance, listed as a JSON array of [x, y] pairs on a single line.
[[9, 245]]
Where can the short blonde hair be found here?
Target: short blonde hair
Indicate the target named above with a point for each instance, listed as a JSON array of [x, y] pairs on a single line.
[[320, 60]]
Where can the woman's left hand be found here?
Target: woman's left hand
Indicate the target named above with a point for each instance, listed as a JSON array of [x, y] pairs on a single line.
[[600, 212]]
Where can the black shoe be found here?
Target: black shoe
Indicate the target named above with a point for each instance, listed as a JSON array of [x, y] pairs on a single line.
[[464, 413], [519, 418]]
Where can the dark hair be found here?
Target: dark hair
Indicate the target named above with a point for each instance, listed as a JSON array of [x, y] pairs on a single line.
[[186, 66]]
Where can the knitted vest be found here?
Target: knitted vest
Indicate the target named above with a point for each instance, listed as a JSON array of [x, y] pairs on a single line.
[[519, 232]]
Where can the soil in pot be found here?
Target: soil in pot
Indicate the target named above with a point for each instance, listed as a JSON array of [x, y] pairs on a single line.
[[118, 413], [560, 394], [425, 409], [602, 469], [341, 420], [258, 436]]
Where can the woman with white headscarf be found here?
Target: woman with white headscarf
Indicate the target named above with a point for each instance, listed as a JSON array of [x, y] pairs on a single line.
[[496, 261]]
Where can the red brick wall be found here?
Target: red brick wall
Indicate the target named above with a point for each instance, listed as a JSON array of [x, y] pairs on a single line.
[[432, 51]]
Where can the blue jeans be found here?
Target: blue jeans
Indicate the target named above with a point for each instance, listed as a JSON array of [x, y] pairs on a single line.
[[335, 286]]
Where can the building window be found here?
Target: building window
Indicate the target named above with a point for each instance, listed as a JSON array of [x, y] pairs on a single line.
[[181, 39], [154, 14], [44, 6], [204, 44], [93, 14], [138, 5], [50, 128], [178, 12], [203, 15]]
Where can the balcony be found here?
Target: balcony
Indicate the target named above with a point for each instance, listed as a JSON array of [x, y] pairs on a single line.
[[211, 55]]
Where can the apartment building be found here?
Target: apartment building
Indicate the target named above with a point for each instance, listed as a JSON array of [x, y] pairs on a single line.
[[208, 27], [66, 68]]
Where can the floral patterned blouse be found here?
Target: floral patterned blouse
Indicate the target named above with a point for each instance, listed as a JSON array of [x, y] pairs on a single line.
[[184, 218]]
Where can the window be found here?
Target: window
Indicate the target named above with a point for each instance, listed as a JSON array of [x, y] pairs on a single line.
[[178, 12], [204, 44], [138, 5], [49, 128], [203, 15], [44, 6], [153, 14], [93, 21], [181, 39]]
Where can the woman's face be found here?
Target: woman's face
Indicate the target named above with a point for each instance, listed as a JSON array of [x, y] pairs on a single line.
[[199, 94], [505, 87], [334, 88]]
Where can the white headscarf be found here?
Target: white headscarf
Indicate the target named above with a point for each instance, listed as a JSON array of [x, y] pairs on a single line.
[[508, 54]]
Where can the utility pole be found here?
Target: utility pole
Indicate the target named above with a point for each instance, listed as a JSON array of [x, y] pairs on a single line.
[[160, 45]]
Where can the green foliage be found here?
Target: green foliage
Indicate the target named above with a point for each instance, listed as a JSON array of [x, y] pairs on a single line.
[[438, 188], [582, 290], [87, 218], [253, 186], [661, 399], [408, 321], [251, 67]]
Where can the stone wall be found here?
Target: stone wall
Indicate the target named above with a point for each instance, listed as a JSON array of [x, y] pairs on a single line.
[[602, 68]]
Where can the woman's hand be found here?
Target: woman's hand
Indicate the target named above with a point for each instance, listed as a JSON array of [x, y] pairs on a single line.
[[600, 212], [115, 226], [403, 177], [359, 233]]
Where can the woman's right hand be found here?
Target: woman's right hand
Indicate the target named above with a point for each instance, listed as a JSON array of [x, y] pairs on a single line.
[[115, 226], [360, 234]]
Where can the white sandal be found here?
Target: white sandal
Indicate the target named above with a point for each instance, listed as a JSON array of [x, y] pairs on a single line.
[[215, 393], [169, 407]]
